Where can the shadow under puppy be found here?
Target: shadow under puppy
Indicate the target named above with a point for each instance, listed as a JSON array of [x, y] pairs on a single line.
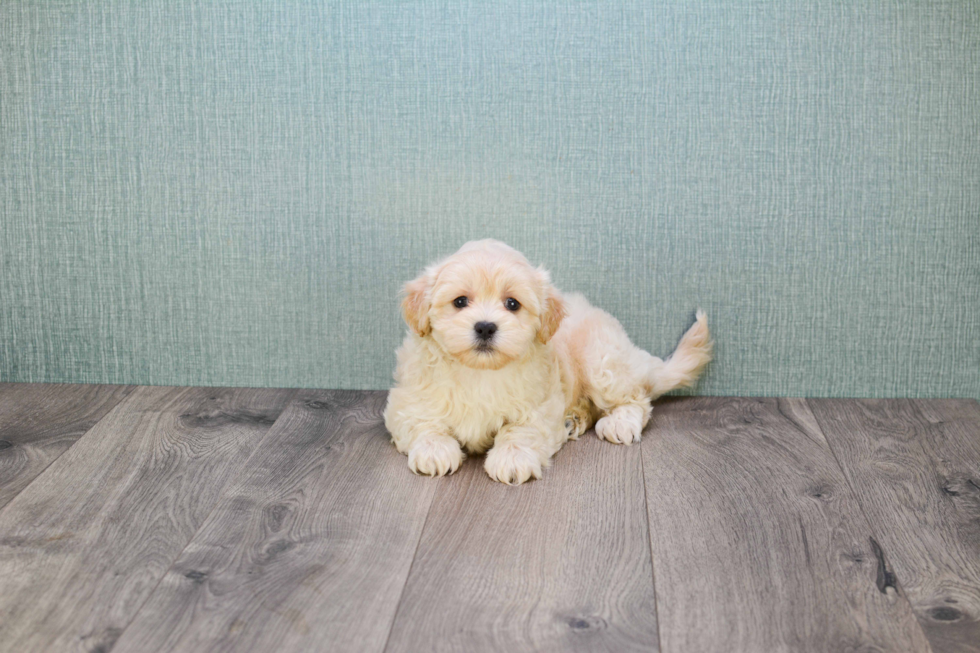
[[497, 359]]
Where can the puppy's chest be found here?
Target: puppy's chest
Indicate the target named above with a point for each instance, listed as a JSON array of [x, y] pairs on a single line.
[[483, 401]]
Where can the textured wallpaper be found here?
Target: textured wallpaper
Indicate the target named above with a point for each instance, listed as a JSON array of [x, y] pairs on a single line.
[[232, 193]]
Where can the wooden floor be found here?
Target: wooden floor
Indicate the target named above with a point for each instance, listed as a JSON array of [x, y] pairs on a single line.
[[147, 518]]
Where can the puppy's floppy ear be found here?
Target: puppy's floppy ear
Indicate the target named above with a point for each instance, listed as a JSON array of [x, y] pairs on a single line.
[[552, 311], [415, 306]]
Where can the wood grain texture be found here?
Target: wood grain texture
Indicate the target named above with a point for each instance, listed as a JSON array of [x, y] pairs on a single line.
[[84, 545], [308, 550], [757, 541], [915, 468], [38, 422], [266, 520], [561, 564]]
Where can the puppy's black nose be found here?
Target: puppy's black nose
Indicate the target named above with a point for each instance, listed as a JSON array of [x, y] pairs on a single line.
[[485, 330]]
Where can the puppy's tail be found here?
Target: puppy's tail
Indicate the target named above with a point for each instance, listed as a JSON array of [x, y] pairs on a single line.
[[684, 366]]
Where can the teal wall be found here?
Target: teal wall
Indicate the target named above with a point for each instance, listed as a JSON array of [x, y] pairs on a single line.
[[232, 193]]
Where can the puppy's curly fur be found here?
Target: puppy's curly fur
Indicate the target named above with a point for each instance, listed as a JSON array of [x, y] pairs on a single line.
[[545, 369]]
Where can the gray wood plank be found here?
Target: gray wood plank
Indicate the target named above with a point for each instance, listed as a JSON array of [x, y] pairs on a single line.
[[758, 544], [915, 468], [309, 550], [84, 545], [561, 564], [38, 422]]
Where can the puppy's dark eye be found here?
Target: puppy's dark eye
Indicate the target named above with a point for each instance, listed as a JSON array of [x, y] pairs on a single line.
[[461, 302], [512, 304]]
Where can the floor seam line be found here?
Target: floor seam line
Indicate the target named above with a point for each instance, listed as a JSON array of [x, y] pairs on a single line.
[[653, 566], [418, 545]]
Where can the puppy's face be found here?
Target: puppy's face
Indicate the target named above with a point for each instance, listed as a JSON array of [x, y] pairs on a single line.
[[485, 305]]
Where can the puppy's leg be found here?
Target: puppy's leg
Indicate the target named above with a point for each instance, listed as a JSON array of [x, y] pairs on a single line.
[[622, 379], [624, 423], [430, 448], [626, 416], [434, 454], [578, 418], [520, 451], [614, 374]]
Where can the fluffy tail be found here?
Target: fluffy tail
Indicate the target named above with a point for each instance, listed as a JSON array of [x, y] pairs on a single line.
[[684, 366]]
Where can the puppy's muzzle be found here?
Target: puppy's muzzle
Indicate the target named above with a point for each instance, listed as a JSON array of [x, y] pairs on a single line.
[[484, 331]]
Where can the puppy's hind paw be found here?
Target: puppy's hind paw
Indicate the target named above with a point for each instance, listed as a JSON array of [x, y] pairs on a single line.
[[512, 464], [575, 426], [435, 456], [621, 426]]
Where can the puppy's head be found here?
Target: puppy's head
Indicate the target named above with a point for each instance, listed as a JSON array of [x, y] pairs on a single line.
[[485, 305]]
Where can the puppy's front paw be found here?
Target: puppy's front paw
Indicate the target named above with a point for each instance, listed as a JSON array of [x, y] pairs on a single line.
[[622, 426], [512, 464], [435, 455]]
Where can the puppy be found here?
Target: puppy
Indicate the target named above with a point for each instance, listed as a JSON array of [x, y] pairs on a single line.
[[498, 361]]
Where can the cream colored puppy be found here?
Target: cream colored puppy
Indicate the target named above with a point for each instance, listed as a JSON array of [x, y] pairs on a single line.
[[497, 359]]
